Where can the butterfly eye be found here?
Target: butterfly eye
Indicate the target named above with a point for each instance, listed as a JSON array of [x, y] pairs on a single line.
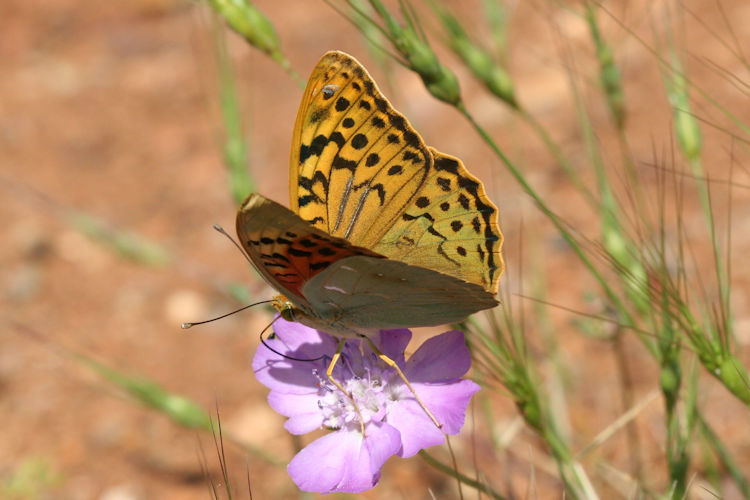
[[329, 90], [288, 313]]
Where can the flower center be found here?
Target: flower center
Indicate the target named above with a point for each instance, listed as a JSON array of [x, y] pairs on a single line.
[[372, 392]]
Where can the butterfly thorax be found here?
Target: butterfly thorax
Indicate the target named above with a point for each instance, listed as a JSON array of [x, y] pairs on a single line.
[[332, 325]]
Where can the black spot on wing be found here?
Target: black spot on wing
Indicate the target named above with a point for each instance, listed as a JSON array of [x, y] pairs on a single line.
[[422, 202], [317, 178], [298, 252], [319, 114], [447, 164], [315, 266], [444, 183], [476, 225], [395, 170], [341, 163], [342, 103], [372, 159], [381, 104], [313, 149], [306, 243], [359, 141], [338, 139], [463, 201], [412, 157]]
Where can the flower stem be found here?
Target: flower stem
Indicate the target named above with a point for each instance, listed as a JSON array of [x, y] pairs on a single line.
[[481, 487]]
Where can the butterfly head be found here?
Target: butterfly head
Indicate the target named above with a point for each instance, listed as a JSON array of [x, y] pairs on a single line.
[[286, 308]]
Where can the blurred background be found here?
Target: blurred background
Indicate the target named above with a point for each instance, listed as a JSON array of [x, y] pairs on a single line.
[[113, 142]]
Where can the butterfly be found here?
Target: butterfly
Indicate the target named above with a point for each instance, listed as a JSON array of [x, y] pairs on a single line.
[[384, 231]]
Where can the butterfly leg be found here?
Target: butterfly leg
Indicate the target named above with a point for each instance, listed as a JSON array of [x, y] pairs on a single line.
[[329, 374], [393, 365]]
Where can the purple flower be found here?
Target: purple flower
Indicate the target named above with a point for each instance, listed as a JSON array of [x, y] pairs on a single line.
[[394, 422]]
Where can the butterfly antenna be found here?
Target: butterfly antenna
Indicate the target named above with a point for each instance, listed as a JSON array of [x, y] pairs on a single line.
[[285, 356], [234, 242], [185, 326]]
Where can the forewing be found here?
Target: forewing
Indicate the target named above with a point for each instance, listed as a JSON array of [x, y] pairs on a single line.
[[286, 250], [355, 161], [365, 292]]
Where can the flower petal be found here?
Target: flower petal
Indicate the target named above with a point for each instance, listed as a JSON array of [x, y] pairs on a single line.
[[393, 343], [448, 402], [287, 375], [416, 429], [302, 409], [441, 358], [344, 460]]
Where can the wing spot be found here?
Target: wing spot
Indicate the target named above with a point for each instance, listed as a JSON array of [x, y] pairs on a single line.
[[393, 139], [266, 240], [476, 225], [382, 104], [447, 164], [356, 86], [319, 114], [326, 251], [395, 170], [299, 253], [456, 225], [422, 201], [337, 138], [314, 149], [464, 201], [461, 251], [444, 206], [397, 122], [347, 123], [305, 200], [365, 105], [412, 156], [444, 183], [341, 163], [328, 91], [481, 252], [378, 122], [342, 103], [372, 160], [307, 243], [359, 141], [411, 138]]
